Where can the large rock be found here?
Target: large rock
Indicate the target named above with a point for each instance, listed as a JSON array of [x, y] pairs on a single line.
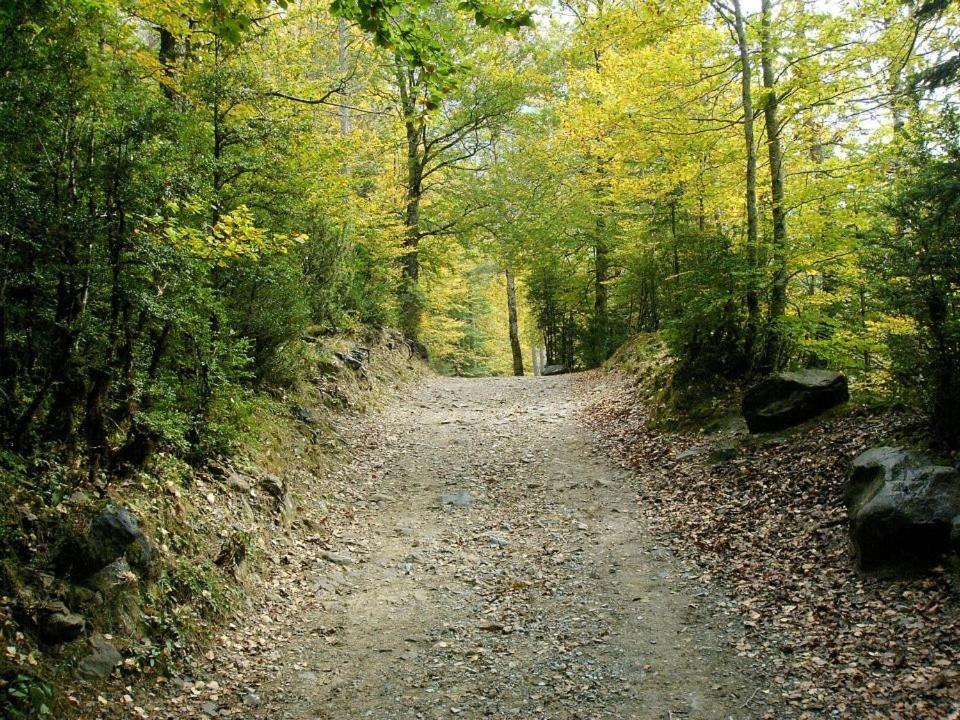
[[101, 660], [790, 398], [116, 525], [115, 532], [56, 624], [554, 370], [112, 534], [903, 509], [283, 503]]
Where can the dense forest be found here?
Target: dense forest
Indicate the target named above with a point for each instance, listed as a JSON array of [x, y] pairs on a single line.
[[190, 188], [193, 192]]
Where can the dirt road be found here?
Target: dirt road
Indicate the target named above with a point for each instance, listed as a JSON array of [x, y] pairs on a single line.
[[494, 567]]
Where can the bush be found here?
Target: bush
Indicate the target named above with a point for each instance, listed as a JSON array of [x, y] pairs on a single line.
[[918, 261], [25, 697], [705, 323]]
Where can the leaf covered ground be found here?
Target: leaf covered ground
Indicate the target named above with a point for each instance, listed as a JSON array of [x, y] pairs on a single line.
[[764, 517], [471, 557]]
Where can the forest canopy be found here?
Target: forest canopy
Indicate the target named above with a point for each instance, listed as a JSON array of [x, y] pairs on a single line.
[[190, 188]]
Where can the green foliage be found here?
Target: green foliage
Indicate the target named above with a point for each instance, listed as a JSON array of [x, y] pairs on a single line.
[[412, 32], [704, 318], [918, 260], [185, 197], [554, 298], [621, 198], [156, 221], [25, 697], [458, 300], [187, 599]]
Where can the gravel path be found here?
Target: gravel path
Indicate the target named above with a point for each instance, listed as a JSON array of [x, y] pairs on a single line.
[[492, 566]]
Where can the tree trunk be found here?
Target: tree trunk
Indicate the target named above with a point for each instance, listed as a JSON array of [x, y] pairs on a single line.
[[601, 330], [773, 351], [167, 55], [601, 271], [514, 326], [746, 86], [342, 68], [411, 301], [673, 238]]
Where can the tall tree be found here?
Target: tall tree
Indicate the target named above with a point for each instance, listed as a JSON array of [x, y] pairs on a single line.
[[439, 144], [773, 356], [515, 350], [737, 22]]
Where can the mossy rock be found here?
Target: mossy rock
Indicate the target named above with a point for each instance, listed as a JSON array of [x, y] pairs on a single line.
[[113, 533]]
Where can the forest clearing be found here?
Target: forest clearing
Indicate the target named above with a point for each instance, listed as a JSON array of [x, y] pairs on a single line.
[[479, 358]]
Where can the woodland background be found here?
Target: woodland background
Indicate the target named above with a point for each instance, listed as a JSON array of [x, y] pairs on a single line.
[[190, 188], [198, 197]]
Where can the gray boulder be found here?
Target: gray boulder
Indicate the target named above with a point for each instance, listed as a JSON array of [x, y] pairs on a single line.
[[903, 509], [113, 533], [101, 660], [554, 370], [116, 525], [790, 398]]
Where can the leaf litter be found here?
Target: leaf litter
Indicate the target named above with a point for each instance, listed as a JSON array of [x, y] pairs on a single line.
[[764, 517]]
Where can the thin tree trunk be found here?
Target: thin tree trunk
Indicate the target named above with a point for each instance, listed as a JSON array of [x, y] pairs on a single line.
[[601, 271], [514, 326], [773, 352], [342, 67], [746, 86], [673, 237], [167, 55], [411, 304], [601, 340]]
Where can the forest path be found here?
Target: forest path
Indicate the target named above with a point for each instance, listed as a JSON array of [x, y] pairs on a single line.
[[496, 567]]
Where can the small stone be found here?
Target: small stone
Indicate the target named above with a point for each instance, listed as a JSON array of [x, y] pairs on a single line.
[[497, 541], [494, 627], [336, 558], [238, 482], [458, 498], [305, 415]]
